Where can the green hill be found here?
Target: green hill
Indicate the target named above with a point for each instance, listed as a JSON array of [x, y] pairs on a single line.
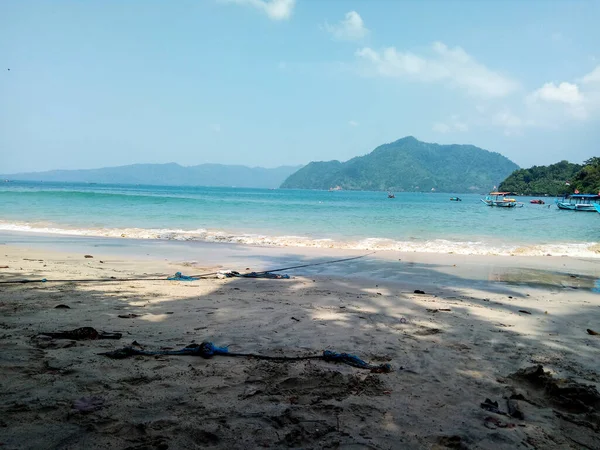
[[587, 180], [409, 165], [542, 180]]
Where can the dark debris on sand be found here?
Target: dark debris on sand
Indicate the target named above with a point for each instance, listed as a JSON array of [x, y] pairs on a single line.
[[575, 406]]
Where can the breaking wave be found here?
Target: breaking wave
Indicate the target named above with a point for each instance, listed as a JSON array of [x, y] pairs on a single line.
[[578, 249]]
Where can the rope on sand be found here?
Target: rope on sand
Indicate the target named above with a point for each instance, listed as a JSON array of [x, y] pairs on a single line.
[[319, 264], [208, 350], [180, 277]]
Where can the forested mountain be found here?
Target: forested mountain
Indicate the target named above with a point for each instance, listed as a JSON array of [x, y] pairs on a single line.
[[556, 179], [409, 165], [587, 180], [542, 180]]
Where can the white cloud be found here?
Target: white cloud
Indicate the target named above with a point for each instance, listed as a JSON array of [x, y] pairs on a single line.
[[452, 65], [565, 97], [563, 93], [215, 127], [353, 123], [592, 77], [553, 105], [578, 100], [274, 9], [351, 28]]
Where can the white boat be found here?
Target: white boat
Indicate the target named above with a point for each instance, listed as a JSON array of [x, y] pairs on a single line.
[[500, 200]]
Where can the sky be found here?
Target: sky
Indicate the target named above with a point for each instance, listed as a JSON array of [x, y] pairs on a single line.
[[284, 82]]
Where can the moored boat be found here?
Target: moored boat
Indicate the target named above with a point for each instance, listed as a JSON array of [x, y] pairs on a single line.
[[538, 202], [455, 199], [579, 202], [597, 207], [500, 199]]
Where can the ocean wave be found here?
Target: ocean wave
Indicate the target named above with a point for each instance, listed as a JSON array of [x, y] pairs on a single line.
[[578, 249]]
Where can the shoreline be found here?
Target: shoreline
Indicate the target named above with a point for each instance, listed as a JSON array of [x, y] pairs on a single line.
[[389, 266], [487, 247], [481, 320]]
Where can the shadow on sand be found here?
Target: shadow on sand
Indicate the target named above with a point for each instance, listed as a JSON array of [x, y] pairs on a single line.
[[446, 362]]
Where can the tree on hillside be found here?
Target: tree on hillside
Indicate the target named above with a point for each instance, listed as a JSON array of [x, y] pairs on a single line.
[[542, 180], [588, 178]]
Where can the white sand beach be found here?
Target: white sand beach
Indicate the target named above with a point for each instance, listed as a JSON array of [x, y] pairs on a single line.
[[480, 321]]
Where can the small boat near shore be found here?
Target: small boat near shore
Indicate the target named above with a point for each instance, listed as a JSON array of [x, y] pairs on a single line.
[[537, 202], [579, 202], [455, 199], [500, 200]]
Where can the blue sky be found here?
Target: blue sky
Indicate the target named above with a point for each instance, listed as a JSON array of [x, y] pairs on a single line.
[[268, 83]]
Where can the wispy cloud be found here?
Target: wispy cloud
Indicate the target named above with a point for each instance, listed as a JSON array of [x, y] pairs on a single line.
[[353, 123], [507, 119], [274, 9], [441, 127], [510, 123], [453, 124], [553, 105], [491, 116], [215, 127], [592, 77], [441, 64], [351, 28]]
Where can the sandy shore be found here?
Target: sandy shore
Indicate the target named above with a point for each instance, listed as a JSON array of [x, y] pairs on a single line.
[[451, 348]]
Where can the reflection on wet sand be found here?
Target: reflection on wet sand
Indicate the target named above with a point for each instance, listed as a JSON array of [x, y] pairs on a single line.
[[544, 279]]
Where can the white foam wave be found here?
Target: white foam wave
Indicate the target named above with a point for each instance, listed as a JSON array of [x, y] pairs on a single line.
[[584, 250]]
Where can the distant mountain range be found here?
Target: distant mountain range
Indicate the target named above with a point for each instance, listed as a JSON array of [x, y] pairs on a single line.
[[168, 174], [404, 165], [409, 165]]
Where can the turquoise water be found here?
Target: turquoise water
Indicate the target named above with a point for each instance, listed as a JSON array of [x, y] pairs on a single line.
[[344, 219]]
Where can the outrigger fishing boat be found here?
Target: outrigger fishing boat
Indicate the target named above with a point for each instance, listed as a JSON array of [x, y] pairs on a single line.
[[501, 200], [579, 202]]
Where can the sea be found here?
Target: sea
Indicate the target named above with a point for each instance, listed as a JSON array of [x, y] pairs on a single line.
[[410, 222]]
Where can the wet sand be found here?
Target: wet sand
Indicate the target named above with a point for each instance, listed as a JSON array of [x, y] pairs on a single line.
[[451, 348]]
